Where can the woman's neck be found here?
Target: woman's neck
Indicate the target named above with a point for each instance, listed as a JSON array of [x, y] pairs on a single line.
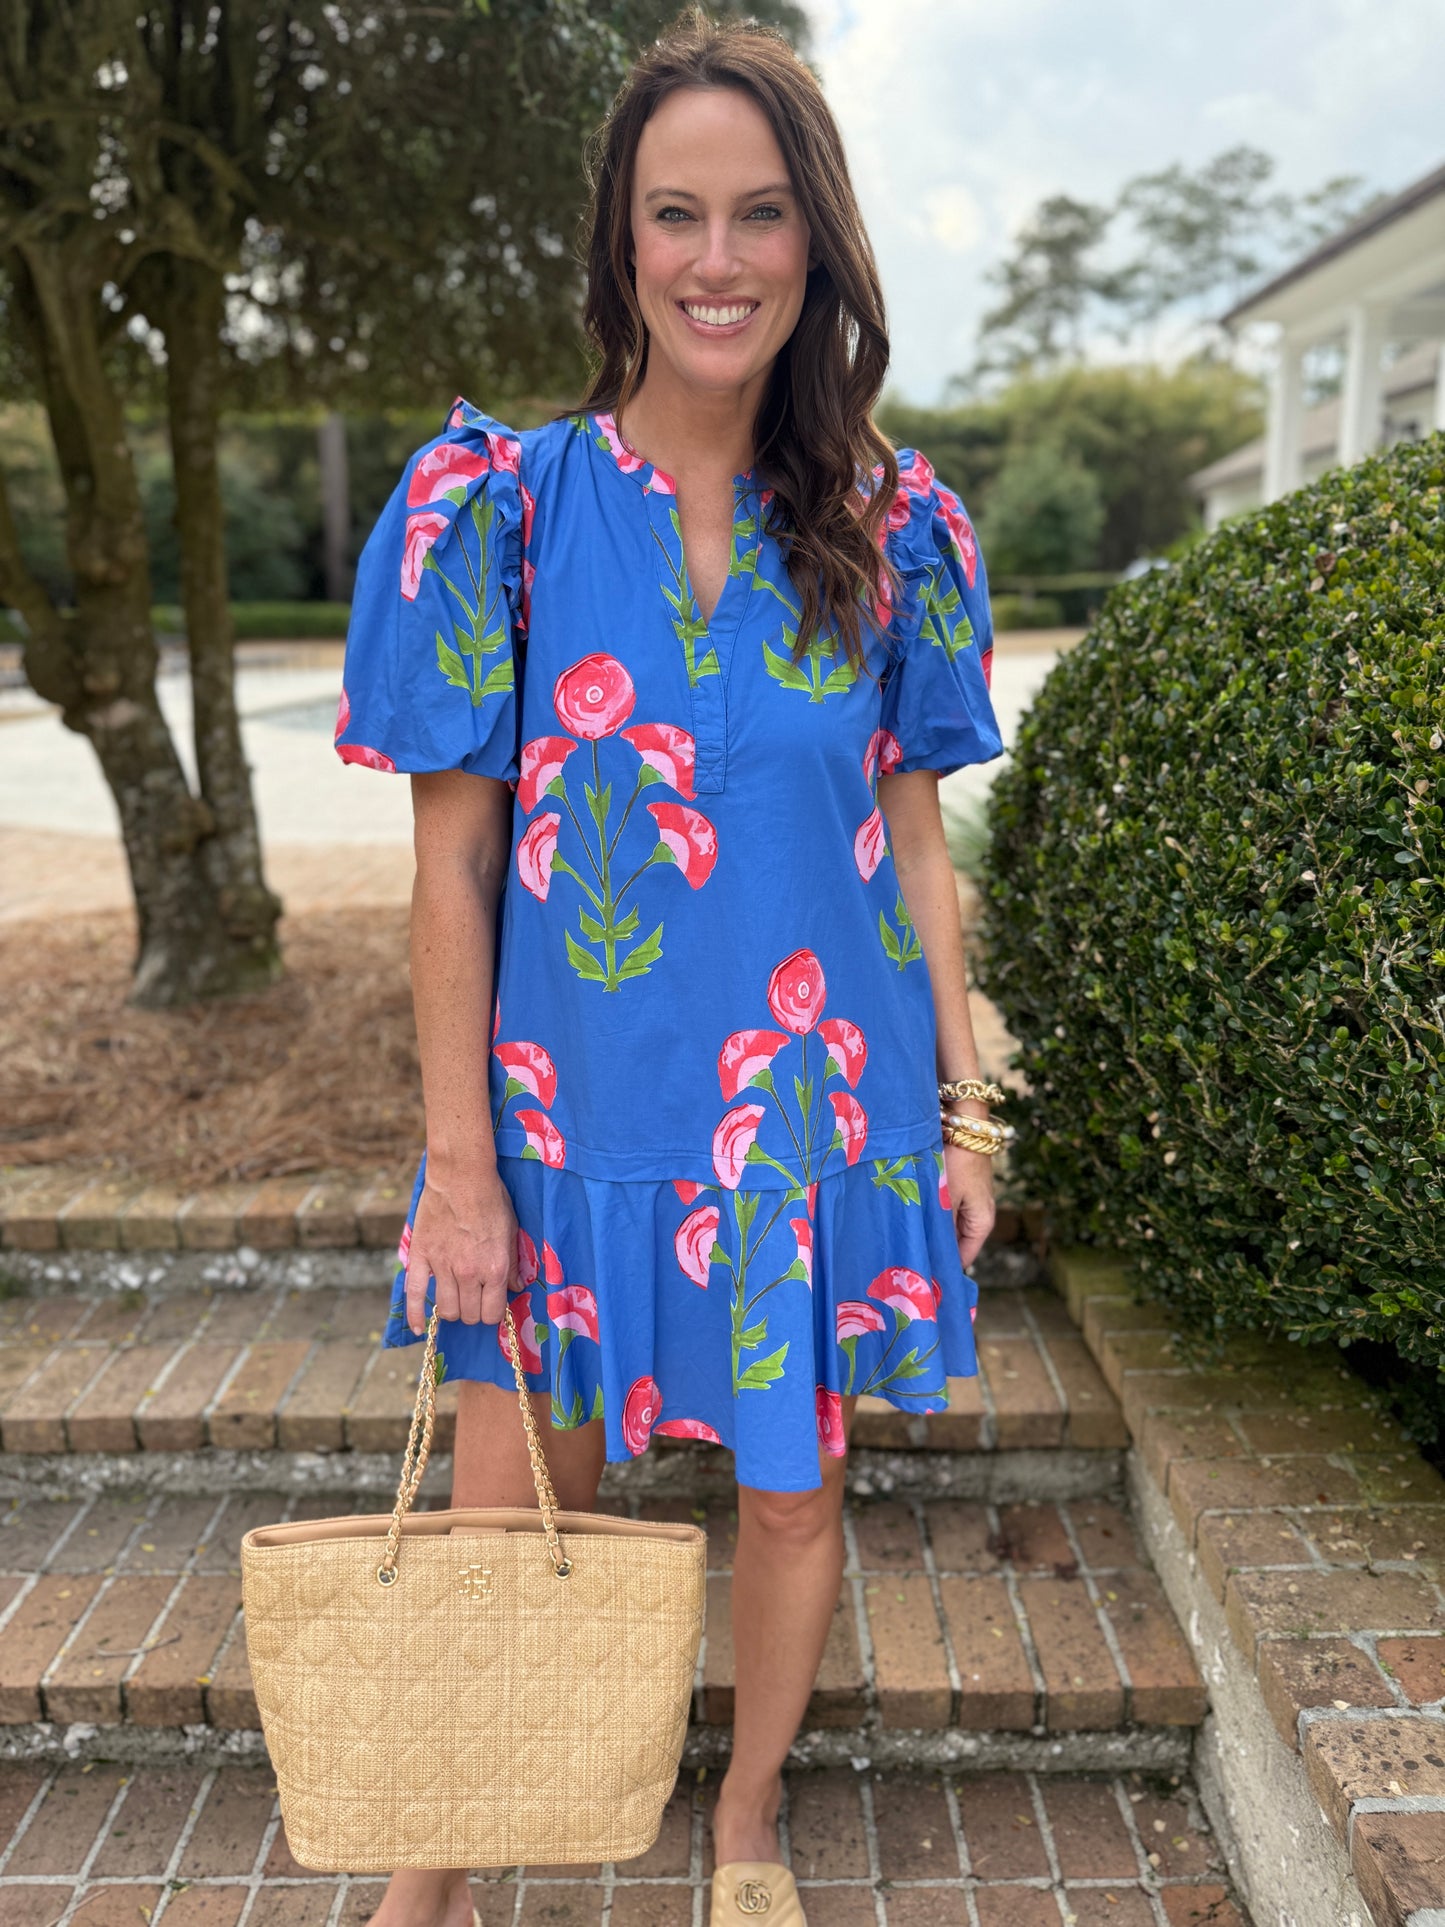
[[687, 432]]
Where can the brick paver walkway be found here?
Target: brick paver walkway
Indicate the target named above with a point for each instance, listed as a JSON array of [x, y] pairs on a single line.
[[116, 1847]]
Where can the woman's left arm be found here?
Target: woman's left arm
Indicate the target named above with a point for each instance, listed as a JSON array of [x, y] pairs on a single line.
[[909, 803]]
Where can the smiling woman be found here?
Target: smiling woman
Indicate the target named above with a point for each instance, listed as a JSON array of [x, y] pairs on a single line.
[[674, 678]]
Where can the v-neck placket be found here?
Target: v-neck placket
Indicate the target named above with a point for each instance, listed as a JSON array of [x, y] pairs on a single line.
[[709, 668]]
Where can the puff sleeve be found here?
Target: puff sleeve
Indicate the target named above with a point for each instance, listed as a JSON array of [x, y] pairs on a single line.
[[935, 690], [431, 672]]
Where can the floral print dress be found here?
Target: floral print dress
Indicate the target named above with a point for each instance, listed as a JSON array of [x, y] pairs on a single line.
[[712, 1074]]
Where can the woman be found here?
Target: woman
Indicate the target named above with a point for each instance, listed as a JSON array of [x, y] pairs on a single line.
[[711, 625]]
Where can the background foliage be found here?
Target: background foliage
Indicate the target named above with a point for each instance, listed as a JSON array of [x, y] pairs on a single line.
[[1216, 918]]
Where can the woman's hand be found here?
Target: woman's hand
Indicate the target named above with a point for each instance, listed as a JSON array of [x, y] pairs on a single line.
[[465, 1236], [970, 1190]]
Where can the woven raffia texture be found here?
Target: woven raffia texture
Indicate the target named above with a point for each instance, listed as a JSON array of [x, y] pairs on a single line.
[[451, 1721]]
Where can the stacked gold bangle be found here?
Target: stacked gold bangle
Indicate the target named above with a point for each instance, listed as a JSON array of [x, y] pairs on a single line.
[[983, 1134]]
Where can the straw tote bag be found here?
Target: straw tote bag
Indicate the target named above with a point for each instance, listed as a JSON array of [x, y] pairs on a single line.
[[479, 1687]]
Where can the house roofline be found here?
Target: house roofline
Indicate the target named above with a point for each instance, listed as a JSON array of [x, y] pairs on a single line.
[[1370, 222]]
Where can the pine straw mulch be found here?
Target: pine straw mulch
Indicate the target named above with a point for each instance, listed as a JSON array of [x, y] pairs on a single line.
[[317, 1072]]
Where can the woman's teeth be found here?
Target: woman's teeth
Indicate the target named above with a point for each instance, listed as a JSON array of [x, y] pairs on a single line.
[[719, 317]]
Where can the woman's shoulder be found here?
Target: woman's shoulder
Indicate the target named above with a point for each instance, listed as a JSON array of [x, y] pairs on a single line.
[[926, 518]]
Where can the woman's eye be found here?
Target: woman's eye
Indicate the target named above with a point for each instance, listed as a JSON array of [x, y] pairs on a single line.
[[767, 213], [665, 213]]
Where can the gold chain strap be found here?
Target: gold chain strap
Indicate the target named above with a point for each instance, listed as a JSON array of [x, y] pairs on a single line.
[[418, 1449]]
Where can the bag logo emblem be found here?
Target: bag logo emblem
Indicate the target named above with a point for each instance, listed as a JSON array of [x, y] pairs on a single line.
[[753, 1897], [475, 1582]]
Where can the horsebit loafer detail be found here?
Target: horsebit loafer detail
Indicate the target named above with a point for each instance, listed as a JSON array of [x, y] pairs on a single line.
[[755, 1890]]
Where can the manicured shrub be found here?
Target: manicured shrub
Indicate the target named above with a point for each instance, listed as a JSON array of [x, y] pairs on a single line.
[[1216, 918]]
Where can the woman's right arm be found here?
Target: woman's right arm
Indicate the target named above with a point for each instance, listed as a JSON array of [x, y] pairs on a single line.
[[465, 1231]]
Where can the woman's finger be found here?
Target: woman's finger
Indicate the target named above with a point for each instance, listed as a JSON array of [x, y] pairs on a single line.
[[418, 1276]]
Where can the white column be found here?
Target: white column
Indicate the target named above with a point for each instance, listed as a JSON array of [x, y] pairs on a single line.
[[1282, 428], [1360, 398], [1440, 385]]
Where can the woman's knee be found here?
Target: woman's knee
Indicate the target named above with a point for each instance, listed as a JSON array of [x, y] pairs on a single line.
[[792, 1518]]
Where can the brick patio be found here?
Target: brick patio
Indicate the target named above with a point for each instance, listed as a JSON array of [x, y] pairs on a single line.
[[113, 1848]]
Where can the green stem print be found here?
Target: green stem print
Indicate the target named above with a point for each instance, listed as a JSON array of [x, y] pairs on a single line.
[[900, 944], [482, 633], [687, 618], [750, 1334], [808, 674], [888, 1175], [944, 624]]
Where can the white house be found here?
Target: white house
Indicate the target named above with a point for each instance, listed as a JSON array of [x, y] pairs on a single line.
[[1378, 286]]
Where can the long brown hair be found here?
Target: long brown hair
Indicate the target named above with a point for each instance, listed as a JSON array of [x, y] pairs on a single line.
[[815, 438]]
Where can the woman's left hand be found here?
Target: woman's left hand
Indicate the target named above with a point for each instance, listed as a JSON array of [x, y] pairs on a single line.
[[969, 1175]]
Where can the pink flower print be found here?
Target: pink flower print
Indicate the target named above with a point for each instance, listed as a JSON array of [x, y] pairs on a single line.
[[693, 1242], [544, 1140], [457, 417], [854, 1318], [961, 529], [870, 843], [690, 837], [343, 713], [421, 532], [744, 1054], [627, 460], [527, 1266], [686, 1189], [534, 854], [443, 474], [830, 1423], [847, 1047], [540, 760], [367, 758], [667, 749], [917, 477], [796, 992], [526, 1336], [803, 1232], [529, 512], [403, 1249], [985, 663], [884, 752], [551, 1264], [943, 1197], [531, 1067], [496, 1017], [908, 1293], [529, 576], [686, 1428], [594, 697], [852, 1122], [732, 1140], [639, 1413], [574, 1308], [506, 453], [812, 1196]]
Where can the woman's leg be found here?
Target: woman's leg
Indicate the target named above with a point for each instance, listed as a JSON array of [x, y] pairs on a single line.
[[490, 1467], [787, 1569]]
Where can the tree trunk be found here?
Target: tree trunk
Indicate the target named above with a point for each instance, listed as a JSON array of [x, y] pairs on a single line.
[[194, 310], [335, 505], [98, 662]]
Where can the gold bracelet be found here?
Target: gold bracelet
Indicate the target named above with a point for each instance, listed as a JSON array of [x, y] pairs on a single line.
[[974, 1087], [981, 1126], [966, 1141]]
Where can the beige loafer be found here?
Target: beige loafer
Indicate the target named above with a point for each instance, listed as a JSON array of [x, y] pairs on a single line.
[[755, 1890]]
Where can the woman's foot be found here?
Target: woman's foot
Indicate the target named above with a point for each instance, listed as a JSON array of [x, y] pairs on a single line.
[[745, 1827], [420, 1897]]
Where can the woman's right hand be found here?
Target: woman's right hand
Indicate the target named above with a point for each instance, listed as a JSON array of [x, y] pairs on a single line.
[[464, 1235]]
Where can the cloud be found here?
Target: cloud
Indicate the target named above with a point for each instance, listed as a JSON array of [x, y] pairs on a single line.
[[960, 116]]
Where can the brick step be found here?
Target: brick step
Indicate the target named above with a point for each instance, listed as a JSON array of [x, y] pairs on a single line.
[[181, 1845], [954, 1620], [301, 1369]]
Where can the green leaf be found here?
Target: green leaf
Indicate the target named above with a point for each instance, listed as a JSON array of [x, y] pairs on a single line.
[[638, 960], [791, 675], [598, 804], [583, 961], [763, 1371], [451, 664], [591, 927], [717, 1256], [597, 1403], [499, 678], [754, 1335], [889, 936], [627, 924], [438, 1367], [842, 677]]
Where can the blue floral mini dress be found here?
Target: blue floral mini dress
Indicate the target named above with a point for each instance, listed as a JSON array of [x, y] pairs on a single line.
[[712, 1074]]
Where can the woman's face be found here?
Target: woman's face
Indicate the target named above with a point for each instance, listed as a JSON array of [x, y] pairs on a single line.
[[720, 245]]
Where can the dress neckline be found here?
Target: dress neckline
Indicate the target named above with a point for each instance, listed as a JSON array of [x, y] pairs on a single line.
[[651, 478]]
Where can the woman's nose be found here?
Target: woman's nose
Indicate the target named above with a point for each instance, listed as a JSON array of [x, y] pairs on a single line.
[[718, 261]]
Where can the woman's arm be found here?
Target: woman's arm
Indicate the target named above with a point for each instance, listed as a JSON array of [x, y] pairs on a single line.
[[910, 804], [465, 1231]]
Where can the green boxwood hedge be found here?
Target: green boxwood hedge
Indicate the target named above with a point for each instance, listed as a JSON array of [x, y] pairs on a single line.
[[1216, 918]]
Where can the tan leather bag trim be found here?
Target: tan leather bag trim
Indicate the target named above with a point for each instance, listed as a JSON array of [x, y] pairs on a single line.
[[477, 1519]]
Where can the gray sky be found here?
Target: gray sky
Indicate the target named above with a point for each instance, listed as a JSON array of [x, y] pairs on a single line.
[[960, 116]]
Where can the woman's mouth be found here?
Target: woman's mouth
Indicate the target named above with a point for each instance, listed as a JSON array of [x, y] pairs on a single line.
[[719, 317]]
